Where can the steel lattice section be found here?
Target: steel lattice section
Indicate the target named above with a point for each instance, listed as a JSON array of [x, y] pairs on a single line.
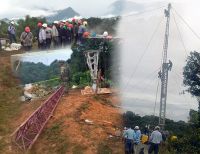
[[26, 134]]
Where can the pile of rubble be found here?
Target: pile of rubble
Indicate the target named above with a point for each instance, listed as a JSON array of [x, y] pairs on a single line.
[[90, 91], [13, 47], [35, 91]]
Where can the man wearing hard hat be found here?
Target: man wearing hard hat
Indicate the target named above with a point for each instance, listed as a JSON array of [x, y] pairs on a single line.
[[12, 32], [155, 140], [42, 36]]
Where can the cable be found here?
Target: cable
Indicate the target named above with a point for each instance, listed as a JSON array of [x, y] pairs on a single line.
[[187, 24], [180, 36], [144, 52], [154, 112], [148, 76], [142, 12], [142, 90], [176, 81]]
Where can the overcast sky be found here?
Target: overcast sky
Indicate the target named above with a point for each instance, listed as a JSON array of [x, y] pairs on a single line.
[[18, 8], [139, 85]]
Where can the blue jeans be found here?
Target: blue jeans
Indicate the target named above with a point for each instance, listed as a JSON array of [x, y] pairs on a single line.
[[153, 147], [128, 146]]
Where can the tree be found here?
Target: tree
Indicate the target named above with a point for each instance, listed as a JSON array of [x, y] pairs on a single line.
[[193, 117], [191, 76]]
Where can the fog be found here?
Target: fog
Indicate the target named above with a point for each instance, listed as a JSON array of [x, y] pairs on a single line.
[[141, 59]]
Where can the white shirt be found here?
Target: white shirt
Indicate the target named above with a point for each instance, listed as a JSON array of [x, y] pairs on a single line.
[[156, 137]]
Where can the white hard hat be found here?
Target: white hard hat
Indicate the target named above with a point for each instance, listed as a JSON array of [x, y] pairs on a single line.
[[137, 127], [85, 23], [55, 22], [44, 25], [12, 22], [157, 128], [105, 34]]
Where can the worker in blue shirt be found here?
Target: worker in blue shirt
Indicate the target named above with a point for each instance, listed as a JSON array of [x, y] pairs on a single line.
[[129, 136], [137, 139]]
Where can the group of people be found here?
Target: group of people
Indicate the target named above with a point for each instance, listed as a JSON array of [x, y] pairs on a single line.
[[59, 34], [132, 140]]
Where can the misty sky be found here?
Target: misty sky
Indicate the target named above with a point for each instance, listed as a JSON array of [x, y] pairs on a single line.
[[19, 8], [139, 85]]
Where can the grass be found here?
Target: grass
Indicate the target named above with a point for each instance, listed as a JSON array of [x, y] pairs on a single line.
[[55, 142], [103, 148], [10, 104], [9, 98], [78, 149], [84, 106], [103, 101]]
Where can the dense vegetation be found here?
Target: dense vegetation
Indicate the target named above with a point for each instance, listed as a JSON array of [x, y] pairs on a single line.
[[175, 128]]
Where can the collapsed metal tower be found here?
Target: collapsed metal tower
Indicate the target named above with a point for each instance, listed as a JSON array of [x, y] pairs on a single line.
[[163, 74]]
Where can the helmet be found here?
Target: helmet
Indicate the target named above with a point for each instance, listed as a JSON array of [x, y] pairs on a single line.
[[105, 34], [136, 127], [44, 25], [39, 24], [157, 128], [73, 20], [27, 29], [70, 26], [55, 22], [12, 22], [85, 23], [86, 34]]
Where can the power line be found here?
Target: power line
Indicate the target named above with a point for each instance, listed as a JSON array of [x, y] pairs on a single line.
[[143, 89], [186, 23], [143, 12], [180, 36], [147, 77], [144, 52], [176, 81]]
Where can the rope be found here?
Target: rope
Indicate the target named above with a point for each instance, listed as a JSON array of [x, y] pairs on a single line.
[[144, 52], [176, 81], [147, 77], [186, 23], [146, 11], [180, 36]]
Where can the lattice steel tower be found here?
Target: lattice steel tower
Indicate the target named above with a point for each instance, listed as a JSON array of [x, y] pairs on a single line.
[[163, 74]]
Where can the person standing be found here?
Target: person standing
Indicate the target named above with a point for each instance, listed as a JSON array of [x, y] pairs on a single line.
[[12, 32], [155, 140], [48, 31], [42, 36], [39, 26], [82, 29], [26, 39], [129, 136], [137, 139], [75, 32], [55, 34]]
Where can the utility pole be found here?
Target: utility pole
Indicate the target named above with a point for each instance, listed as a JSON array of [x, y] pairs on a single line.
[[163, 74]]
